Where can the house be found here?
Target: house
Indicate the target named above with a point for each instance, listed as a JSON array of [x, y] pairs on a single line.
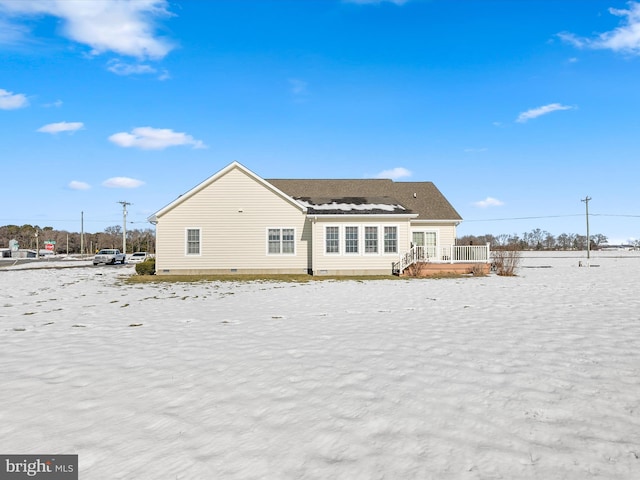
[[238, 222]]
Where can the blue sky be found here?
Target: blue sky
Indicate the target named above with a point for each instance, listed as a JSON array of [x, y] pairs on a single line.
[[516, 110]]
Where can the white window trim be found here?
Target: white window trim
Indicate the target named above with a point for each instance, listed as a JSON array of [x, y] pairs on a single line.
[[426, 230], [186, 242], [281, 253], [324, 242], [364, 240], [342, 240], [398, 249], [358, 244]]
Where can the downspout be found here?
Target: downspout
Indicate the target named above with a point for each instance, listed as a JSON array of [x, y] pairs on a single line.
[[313, 244]]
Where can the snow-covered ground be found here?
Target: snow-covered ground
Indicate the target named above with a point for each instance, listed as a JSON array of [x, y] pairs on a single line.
[[530, 377]]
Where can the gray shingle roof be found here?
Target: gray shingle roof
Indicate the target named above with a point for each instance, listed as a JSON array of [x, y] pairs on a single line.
[[422, 198]]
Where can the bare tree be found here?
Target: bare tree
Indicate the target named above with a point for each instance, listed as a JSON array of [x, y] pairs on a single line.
[[549, 241], [580, 242], [598, 240]]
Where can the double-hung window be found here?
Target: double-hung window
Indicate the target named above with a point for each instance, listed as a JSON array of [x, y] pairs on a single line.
[[288, 241], [351, 239], [193, 241], [332, 240], [281, 241], [370, 239], [390, 239], [274, 240]]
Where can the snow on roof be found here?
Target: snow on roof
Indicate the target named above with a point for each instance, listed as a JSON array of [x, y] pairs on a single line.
[[354, 205], [347, 207]]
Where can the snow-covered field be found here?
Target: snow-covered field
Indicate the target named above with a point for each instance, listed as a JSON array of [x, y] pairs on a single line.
[[531, 377]]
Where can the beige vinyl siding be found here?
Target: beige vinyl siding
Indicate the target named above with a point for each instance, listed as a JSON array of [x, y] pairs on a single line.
[[357, 263], [233, 213], [447, 235]]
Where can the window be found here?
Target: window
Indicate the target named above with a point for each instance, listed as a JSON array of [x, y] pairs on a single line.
[[332, 240], [351, 239], [370, 239], [274, 240], [281, 241], [390, 239], [288, 241], [193, 241]]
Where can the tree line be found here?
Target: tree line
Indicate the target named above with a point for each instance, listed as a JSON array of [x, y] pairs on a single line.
[[145, 239], [538, 239], [138, 240]]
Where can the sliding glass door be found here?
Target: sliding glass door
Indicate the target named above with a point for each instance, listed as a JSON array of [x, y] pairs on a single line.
[[428, 240]]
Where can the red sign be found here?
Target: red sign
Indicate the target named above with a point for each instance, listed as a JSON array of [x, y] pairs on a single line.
[[49, 246]]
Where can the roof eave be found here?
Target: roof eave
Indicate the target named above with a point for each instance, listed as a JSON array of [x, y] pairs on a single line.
[[368, 215], [457, 221]]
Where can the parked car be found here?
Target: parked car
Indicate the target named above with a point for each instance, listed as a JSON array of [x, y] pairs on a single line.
[[138, 257], [109, 256]]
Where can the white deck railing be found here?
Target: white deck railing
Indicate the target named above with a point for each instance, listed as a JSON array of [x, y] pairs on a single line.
[[470, 253], [444, 254]]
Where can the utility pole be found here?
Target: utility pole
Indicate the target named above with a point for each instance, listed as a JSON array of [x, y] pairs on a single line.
[[586, 204], [81, 234], [124, 226]]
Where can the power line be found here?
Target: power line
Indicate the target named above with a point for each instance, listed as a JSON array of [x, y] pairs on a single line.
[[551, 216], [523, 218]]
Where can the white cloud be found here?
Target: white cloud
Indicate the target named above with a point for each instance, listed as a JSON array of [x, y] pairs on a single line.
[[54, 128], [625, 38], [121, 68], [394, 173], [148, 138], [298, 87], [76, 185], [11, 101], [489, 202], [122, 182], [572, 39], [123, 27], [57, 104], [544, 110], [11, 33]]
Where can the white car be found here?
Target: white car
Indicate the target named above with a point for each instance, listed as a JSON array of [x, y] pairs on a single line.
[[109, 256], [138, 257]]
